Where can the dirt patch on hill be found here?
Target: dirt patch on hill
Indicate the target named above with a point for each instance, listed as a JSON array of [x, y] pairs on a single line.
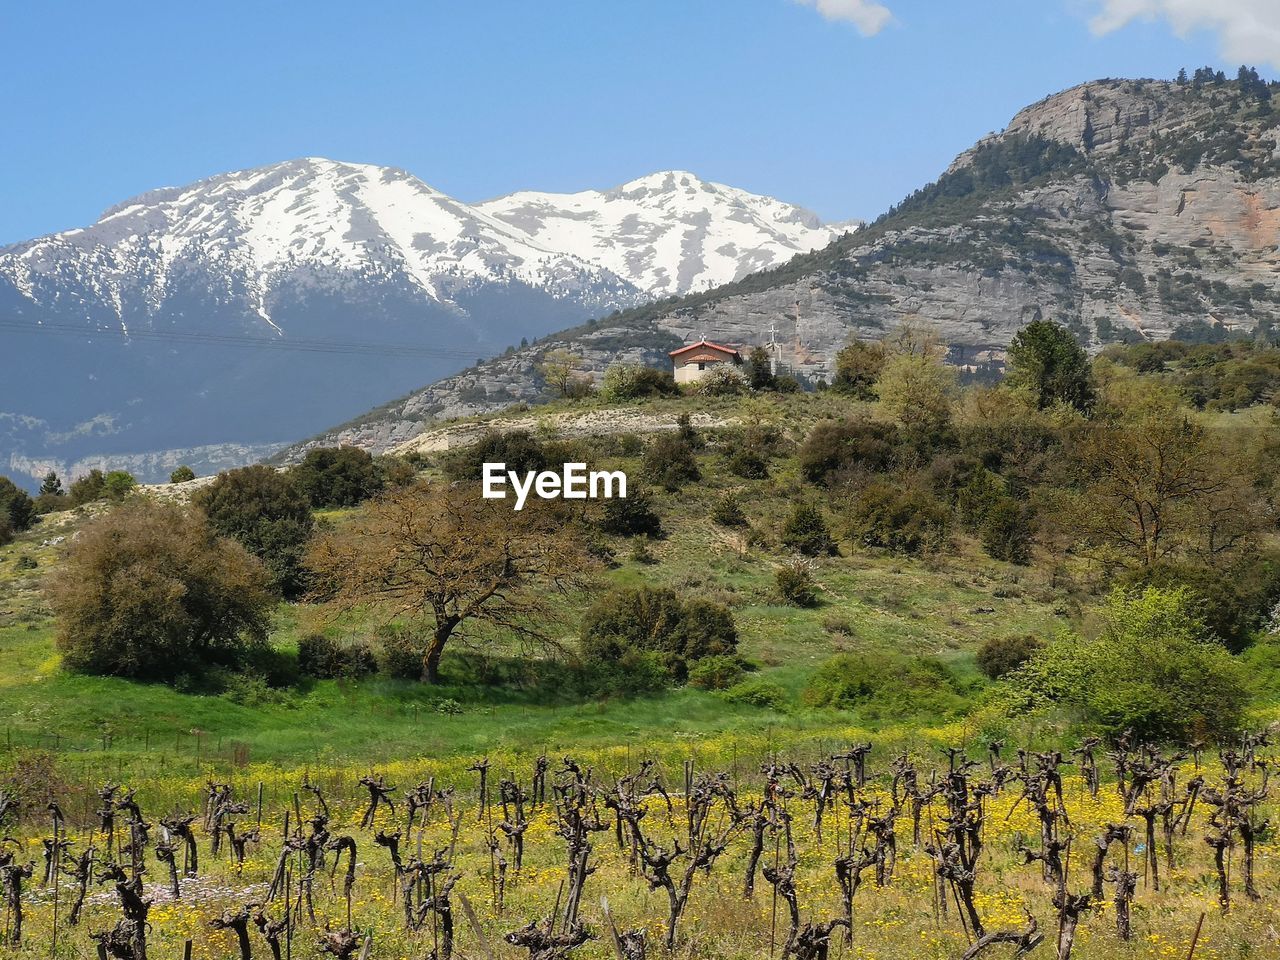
[[563, 425]]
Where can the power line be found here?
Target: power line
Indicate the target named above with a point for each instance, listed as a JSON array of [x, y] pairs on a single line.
[[298, 344]]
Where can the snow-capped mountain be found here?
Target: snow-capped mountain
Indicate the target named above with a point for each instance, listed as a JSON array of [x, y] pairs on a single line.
[[252, 230], [238, 312], [668, 233]]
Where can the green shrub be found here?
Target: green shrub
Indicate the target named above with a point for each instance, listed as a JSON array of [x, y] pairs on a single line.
[[251, 689], [26, 562], [907, 521], [670, 461], [1233, 601], [748, 464], [979, 494], [716, 673], [728, 512], [325, 658], [794, 580], [266, 511], [6, 531], [395, 472], [752, 450], [860, 444], [1261, 665], [840, 624], [805, 531], [634, 673], [625, 381], [759, 692], [1000, 655], [1155, 669], [51, 486], [183, 474], [338, 476], [1045, 360], [52, 503], [760, 373], [630, 516], [657, 620], [858, 367], [886, 687], [721, 381]]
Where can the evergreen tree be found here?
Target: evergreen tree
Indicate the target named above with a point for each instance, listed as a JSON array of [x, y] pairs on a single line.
[[269, 513], [1045, 359], [858, 368], [760, 370], [51, 486], [17, 511], [1182, 77]]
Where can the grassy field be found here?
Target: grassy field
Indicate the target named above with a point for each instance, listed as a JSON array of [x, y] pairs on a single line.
[[869, 603]]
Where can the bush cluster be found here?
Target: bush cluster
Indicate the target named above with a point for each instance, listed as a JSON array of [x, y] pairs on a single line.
[[886, 687], [794, 580], [326, 658], [624, 381], [630, 516], [680, 630], [1001, 655], [907, 521], [836, 448], [17, 510]]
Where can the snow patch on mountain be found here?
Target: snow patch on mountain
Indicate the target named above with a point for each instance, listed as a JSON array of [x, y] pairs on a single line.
[[668, 233]]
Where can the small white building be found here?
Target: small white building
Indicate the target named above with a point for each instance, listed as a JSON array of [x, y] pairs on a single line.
[[695, 361]]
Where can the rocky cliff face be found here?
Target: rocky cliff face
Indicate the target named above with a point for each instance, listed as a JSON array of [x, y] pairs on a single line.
[[1121, 209]]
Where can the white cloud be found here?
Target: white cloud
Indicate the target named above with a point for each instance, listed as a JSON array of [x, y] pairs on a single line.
[[867, 15], [1248, 30]]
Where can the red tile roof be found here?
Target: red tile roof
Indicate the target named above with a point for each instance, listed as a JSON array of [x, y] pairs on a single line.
[[705, 343]]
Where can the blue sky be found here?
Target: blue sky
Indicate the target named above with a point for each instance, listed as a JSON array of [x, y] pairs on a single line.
[[843, 106]]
